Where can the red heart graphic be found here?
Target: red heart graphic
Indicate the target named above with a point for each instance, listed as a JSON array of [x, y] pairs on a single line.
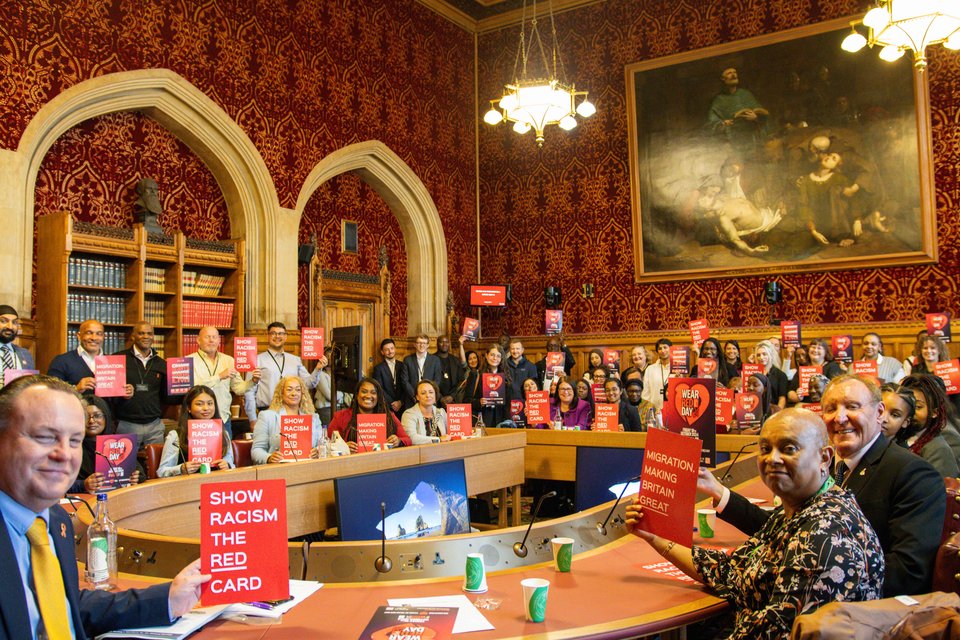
[[706, 367], [695, 403], [494, 381], [748, 401], [516, 406], [938, 321], [116, 449], [842, 342]]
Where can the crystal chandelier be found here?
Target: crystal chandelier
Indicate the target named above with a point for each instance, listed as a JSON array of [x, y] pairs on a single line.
[[531, 101], [901, 25]]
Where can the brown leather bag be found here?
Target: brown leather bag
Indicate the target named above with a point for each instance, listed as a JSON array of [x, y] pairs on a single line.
[[877, 618]]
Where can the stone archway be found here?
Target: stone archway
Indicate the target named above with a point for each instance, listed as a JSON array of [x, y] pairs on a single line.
[[417, 215], [192, 117]]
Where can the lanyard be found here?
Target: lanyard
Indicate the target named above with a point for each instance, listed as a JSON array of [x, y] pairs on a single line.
[[213, 371], [280, 365]]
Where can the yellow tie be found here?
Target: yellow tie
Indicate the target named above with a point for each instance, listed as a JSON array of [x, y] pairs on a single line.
[[48, 583]]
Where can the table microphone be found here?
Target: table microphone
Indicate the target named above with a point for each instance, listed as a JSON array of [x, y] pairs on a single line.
[[116, 472], [293, 449], [383, 564], [727, 475], [602, 526], [520, 548], [77, 537]]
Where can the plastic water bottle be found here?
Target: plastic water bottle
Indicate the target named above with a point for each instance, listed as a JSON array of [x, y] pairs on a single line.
[[101, 570], [324, 445]]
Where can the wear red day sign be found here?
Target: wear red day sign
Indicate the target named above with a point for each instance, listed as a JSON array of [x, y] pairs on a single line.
[[459, 421], [749, 411], [494, 389], [949, 372], [471, 329], [516, 408], [938, 324], [179, 376], [555, 362], [311, 343], [679, 361], [538, 407], [724, 411], [790, 333], [243, 531], [371, 431], [205, 440], [668, 485], [750, 368], [699, 331], [611, 359], [296, 436], [842, 348], [411, 623], [111, 376], [553, 322], [606, 417], [805, 373], [690, 410], [118, 459], [866, 368], [245, 354], [706, 368]]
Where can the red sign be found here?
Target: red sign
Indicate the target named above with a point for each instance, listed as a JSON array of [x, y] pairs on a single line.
[[749, 411], [790, 333], [494, 389], [179, 376], [516, 408], [111, 376], [805, 373], [690, 410], [245, 354], [724, 411], [842, 348], [938, 324], [118, 459], [611, 359], [471, 329], [750, 368], [296, 436], [668, 485], [866, 368], [372, 431], [243, 530], [949, 372], [706, 367], [488, 295], [555, 362], [553, 322], [206, 440], [9, 375], [311, 343], [459, 421], [699, 331], [538, 407], [816, 407], [599, 395], [679, 361], [411, 623], [606, 417]]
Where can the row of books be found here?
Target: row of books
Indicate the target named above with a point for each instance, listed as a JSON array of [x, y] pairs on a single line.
[[113, 341], [198, 312], [159, 346], [189, 344], [153, 311], [106, 309], [154, 279], [87, 272], [202, 284]]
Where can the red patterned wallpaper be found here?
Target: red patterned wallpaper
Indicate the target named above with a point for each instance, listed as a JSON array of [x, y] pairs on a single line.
[[562, 216]]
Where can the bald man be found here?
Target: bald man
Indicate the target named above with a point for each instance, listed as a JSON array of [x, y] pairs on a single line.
[[217, 370], [79, 367]]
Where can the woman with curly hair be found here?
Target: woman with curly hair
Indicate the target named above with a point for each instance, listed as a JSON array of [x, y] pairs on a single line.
[[289, 399], [923, 435]]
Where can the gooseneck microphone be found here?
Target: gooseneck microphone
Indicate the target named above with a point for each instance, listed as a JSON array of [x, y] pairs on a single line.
[[293, 449], [383, 564], [520, 548], [116, 472], [602, 526], [727, 475]]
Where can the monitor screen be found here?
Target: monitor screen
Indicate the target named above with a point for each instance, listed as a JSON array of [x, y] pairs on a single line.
[[425, 500], [488, 295], [602, 472]]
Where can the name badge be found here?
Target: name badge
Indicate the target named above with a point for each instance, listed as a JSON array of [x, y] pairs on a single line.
[[141, 387]]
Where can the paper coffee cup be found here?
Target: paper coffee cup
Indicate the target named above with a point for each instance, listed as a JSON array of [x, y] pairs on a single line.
[[474, 576], [234, 411], [535, 598], [707, 522], [562, 553], [204, 467]]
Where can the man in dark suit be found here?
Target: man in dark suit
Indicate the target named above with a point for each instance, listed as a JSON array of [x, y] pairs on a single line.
[[390, 374], [12, 357], [901, 494], [419, 366], [555, 344], [41, 429], [79, 367]]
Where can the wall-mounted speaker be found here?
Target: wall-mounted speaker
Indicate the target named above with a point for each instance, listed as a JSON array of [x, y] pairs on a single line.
[[305, 253]]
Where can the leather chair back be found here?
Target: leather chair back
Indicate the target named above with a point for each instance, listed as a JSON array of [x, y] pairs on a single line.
[[241, 452], [152, 459]]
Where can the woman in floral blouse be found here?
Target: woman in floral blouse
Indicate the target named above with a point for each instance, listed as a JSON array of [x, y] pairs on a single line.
[[817, 549]]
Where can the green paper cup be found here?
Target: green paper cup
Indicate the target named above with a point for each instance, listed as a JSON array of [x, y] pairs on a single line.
[[707, 522], [474, 576], [535, 598], [204, 467], [562, 553]]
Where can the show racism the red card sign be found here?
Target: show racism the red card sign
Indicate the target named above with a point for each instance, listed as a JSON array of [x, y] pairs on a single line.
[[949, 372], [538, 407], [311, 343], [243, 530], [117, 460], [245, 354], [724, 411], [679, 361], [296, 436], [866, 368], [699, 331], [111, 376], [668, 485], [805, 373], [371, 431], [842, 348], [606, 417], [790, 333], [411, 623], [459, 421], [206, 440], [611, 359], [938, 324], [749, 411], [553, 322], [494, 389], [690, 410], [179, 376], [750, 368], [471, 329]]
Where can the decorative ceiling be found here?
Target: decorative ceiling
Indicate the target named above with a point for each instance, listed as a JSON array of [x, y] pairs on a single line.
[[487, 15]]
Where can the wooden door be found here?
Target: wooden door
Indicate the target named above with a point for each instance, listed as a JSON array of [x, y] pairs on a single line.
[[350, 313]]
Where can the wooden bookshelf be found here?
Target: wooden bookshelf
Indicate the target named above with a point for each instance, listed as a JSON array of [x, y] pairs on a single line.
[[123, 275]]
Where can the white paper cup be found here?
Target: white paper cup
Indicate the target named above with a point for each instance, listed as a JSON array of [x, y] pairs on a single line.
[[535, 598], [562, 554], [474, 575]]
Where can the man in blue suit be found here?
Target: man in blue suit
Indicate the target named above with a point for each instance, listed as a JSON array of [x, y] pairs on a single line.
[[41, 431], [12, 357], [79, 367], [419, 366]]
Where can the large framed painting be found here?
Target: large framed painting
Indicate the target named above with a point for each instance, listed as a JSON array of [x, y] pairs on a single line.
[[779, 154]]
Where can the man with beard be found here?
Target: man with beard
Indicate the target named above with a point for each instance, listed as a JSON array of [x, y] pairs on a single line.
[[12, 357], [147, 207], [452, 370]]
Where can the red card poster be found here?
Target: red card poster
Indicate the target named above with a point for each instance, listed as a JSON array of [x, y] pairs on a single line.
[[206, 440], [749, 411], [296, 437], [494, 389], [553, 322], [599, 395], [699, 331], [555, 362], [9, 375], [805, 373], [842, 348], [706, 368], [372, 431], [790, 333], [606, 417], [750, 368], [866, 368], [690, 410], [411, 623], [816, 407], [243, 530], [538, 407], [245, 354], [311, 343], [459, 420], [179, 376], [938, 324], [117, 460], [724, 410], [111, 376], [679, 361], [611, 359], [949, 372], [471, 329], [668, 485]]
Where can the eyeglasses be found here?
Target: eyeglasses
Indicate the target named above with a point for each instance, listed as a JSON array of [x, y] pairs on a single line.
[[278, 333], [96, 415]]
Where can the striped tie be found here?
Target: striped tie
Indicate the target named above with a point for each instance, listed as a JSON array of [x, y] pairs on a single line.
[[48, 583], [8, 362], [841, 472]]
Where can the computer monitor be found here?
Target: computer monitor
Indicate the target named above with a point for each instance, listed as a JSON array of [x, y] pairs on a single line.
[[422, 501], [602, 472]]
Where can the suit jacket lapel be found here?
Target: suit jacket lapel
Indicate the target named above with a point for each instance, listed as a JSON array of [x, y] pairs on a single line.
[[861, 475], [13, 601]]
